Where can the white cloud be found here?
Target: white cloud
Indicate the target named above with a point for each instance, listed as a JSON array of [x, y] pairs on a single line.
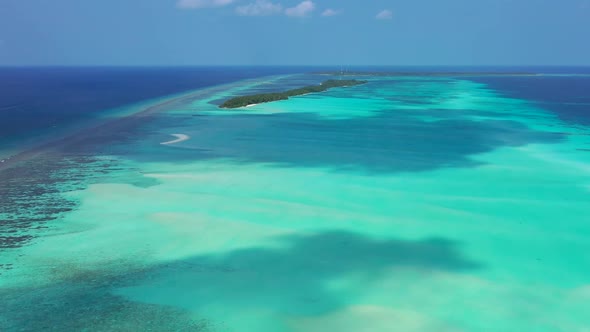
[[259, 8], [330, 12], [196, 4], [301, 10], [385, 14]]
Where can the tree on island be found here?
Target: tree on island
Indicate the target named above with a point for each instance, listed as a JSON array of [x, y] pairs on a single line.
[[268, 97]]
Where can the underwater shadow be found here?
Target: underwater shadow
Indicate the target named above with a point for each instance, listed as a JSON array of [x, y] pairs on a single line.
[[294, 278], [384, 143]]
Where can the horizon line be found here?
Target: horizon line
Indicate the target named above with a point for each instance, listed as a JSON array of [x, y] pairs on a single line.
[[279, 65]]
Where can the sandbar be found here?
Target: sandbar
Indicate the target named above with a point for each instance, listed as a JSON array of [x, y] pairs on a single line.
[[179, 138]]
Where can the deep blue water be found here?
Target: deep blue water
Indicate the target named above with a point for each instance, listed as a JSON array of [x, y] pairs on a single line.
[[34, 100], [37, 101], [567, 96]]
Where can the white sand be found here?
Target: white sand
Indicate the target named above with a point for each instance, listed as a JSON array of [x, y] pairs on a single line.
[[179, 138]]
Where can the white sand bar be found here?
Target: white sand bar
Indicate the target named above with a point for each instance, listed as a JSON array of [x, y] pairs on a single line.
[[179, 138]]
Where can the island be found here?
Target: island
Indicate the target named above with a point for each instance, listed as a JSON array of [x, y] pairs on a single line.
[[435, 73], [268, 97]]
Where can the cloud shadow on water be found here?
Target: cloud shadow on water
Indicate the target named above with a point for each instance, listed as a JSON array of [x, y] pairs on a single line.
[[297, 278], [385, 143]]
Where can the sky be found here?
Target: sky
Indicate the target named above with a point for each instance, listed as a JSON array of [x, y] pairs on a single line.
[[294, 32]]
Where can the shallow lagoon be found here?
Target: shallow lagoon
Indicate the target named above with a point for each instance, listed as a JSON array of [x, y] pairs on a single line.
[[410, 204]]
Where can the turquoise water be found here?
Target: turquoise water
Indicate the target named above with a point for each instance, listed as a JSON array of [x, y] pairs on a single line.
[[409, 204]]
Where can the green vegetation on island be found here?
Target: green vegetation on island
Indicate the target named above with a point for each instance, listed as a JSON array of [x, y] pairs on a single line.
[[427, 74], [268, 97]]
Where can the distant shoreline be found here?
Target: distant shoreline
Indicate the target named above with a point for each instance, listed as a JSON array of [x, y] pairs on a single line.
[[428, 74], [251, 100]]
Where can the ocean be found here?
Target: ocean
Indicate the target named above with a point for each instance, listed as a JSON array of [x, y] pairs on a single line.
[[43, 102], [130, 201]]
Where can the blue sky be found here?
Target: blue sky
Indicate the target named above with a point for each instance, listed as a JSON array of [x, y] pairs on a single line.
[[294, 32]]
